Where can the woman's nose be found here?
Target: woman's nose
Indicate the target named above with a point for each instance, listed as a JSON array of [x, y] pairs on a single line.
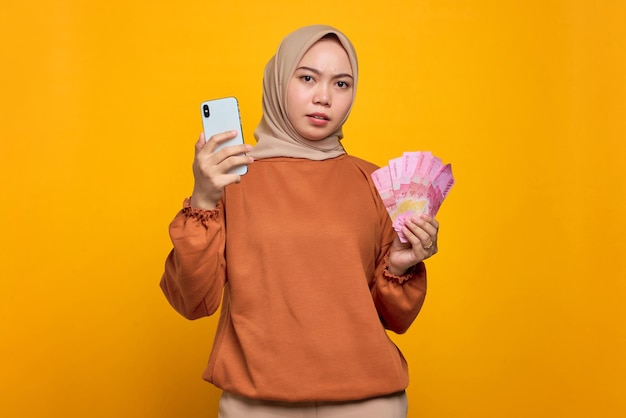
[[322, 96]]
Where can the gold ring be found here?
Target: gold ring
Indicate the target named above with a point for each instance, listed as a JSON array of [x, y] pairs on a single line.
[[428, 246]]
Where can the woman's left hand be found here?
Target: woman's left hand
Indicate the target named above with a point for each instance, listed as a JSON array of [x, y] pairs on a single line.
[[421, 233]]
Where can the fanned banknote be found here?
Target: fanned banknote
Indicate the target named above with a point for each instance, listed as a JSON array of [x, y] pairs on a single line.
[[416, 182]]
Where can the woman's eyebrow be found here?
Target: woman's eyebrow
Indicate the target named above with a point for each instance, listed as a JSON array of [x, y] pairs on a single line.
[[318, 72]]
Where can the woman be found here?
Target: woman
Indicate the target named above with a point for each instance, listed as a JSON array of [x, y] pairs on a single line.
[[302, 251]]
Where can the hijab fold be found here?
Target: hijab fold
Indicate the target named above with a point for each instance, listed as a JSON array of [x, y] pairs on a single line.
[[275, 135]]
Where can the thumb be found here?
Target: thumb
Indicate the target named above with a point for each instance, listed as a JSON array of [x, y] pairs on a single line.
[[200, 143]]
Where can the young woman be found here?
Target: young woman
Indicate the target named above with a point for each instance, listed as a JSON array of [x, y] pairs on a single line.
[[300, 251]]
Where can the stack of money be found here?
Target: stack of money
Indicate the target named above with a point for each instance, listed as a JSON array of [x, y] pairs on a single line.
[[416, 182]]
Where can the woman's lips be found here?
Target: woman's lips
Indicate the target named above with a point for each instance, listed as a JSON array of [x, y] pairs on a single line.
[[318, 119]]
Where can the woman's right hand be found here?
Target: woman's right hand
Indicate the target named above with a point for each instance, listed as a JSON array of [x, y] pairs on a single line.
[[211, 170]]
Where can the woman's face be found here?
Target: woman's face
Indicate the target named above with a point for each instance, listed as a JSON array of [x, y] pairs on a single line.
[[320, 92]]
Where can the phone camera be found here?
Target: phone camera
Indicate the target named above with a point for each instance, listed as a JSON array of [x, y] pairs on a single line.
[[205, 109]]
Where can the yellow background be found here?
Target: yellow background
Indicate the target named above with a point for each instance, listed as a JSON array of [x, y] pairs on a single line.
[[527, 99]]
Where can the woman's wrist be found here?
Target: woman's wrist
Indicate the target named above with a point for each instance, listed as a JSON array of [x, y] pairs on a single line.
[[396, 271], [204, 204]]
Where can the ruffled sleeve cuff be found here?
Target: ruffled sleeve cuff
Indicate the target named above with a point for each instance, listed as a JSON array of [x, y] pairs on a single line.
[[398, 279], [203, 215]]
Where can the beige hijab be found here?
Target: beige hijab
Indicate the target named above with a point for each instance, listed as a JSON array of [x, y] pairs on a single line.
[[275, 134]]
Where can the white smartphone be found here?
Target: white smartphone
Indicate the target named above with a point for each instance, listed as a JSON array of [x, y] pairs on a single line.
[[221, 115]]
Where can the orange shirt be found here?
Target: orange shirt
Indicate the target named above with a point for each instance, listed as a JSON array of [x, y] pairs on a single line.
[[298, 252]]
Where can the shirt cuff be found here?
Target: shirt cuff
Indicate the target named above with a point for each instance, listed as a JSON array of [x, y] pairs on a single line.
[[202, 215], [394, 278]]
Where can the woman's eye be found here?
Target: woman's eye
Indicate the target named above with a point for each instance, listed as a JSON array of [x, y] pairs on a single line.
[[342, 84], [306, 78]]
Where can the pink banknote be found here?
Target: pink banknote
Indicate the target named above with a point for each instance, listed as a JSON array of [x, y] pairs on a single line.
[[382, 181], [416, 182]]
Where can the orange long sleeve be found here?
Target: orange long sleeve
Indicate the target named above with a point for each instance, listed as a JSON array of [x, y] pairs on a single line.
[[299, 248]]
